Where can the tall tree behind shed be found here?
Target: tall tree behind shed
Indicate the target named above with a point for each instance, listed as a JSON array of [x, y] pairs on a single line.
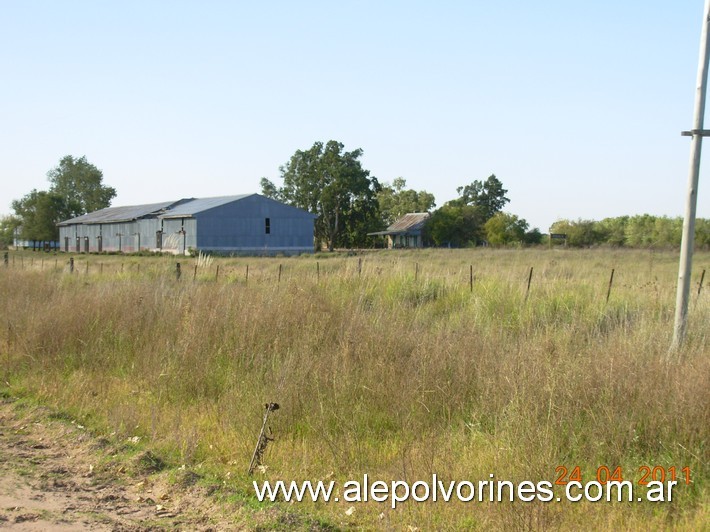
[[331, 183], [80, 183]]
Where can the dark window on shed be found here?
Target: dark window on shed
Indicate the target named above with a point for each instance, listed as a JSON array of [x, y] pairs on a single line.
[[267, 226]]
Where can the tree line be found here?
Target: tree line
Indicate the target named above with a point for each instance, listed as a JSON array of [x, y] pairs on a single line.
[[331, 183], [641, 231]]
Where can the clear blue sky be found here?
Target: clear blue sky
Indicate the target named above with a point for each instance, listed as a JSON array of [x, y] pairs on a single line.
[[577, 107]]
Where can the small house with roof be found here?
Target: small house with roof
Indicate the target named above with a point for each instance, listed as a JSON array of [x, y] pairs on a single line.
[[246, 224], [406, 232]]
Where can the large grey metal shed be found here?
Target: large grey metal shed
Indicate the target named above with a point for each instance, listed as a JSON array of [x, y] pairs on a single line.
[[249, 223], [244, 224]]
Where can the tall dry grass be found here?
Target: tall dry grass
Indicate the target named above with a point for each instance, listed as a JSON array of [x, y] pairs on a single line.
[[390, 366]]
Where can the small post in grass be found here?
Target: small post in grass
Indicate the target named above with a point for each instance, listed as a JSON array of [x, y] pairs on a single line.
[[470, 277], [263, 439], [527, 292], [71, 264], [359, 266], [246, 278], [279, 274], [700, 286], [6, 259], [178, 272], [216, 274], [194, 275], [416, 270], [317, 271], [611, 281], [86, 269]]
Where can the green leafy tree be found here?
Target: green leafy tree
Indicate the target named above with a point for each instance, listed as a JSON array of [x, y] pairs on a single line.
[[503, 229], [533, 237], [40, 211], [639, 231], [613, 230], [702, 233], [580, 233], [396, 200], [270, 190], [455, 225], [8, 225], [489, 195], [667, 232], [331, 183], [80, 183], [460, 222]]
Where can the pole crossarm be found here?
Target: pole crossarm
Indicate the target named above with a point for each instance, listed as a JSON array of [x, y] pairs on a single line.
[[694, 132]]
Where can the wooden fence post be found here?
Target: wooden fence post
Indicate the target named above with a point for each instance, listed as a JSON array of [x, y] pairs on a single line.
[[611, 281], [527, 292], [700, 286]]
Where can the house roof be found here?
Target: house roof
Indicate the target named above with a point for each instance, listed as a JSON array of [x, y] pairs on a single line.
[[409, 223], [201, 204], [121, 214]]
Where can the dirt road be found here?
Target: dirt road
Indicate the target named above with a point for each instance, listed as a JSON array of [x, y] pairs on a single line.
[[54, 475]]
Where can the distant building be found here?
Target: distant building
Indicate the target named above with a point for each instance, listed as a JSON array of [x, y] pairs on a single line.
[[405, 232], [247, 224]]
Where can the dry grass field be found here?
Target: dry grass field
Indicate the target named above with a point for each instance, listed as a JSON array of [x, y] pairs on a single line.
[[387, 363]]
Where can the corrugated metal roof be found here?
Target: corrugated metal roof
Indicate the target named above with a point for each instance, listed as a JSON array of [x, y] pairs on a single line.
[[201, 204], [121, 214], [412, 221]]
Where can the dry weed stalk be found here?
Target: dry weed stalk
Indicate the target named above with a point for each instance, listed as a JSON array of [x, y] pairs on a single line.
[[264, 438]]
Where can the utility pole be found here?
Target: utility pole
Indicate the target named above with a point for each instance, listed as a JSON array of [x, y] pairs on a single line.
[[697, 133]]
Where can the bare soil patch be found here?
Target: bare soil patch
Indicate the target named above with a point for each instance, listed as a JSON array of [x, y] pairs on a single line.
[[55, 475]]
